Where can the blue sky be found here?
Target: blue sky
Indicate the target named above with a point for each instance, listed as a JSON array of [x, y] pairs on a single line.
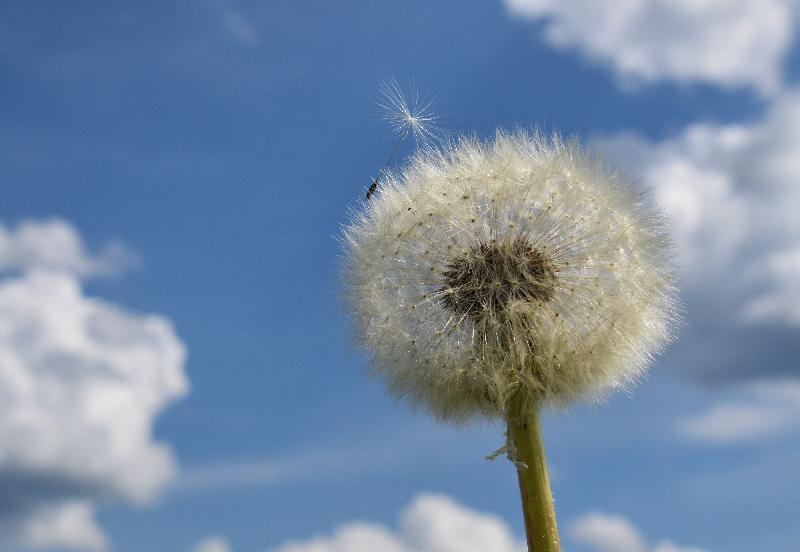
[[174, 350]]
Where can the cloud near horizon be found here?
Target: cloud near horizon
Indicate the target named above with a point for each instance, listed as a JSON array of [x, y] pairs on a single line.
[[602, 532], [431, 523], [437, 523]]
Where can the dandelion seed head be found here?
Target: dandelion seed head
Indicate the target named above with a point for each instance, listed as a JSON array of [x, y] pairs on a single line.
[[517, 267]]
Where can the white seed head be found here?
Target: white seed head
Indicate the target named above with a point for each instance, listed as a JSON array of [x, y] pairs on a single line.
[[516, 268]]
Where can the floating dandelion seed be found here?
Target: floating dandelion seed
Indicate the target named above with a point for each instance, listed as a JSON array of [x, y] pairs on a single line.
[[414, 117], [491, 278]]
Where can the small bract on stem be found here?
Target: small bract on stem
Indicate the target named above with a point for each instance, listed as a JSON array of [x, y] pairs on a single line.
[[494, 278]]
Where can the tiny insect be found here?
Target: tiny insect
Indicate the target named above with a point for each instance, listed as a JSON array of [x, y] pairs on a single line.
[[406, 118], [372, 188]]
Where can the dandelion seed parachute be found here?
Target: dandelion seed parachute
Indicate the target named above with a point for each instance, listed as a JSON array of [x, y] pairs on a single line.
[[520, 267], [414, 115], [406, 117]]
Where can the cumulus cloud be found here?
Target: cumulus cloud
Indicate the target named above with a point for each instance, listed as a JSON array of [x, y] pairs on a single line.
[[432, 523], [609, 533], [66, 525], [732, 196], [606, 533], [212, 544], [354, 537], [768, 409], [726, 42], [55, 245], [438, 524], [81, 381], [435, 523]]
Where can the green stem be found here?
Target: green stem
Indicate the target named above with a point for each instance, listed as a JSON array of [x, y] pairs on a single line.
[[527, 450]]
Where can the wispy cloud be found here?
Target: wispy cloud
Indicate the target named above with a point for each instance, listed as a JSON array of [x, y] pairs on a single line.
[[212, 544], [771, 409], [237, 24], [309, 464]]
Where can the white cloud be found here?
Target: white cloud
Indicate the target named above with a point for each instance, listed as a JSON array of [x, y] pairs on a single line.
[[354, 537], [727, 42], [732, 196], [432, 523], [609, 533], [733, 422], [435, 523], [212, 544], [606, 533], [81, 382], [68, 525], [769, 409], [55, 245]]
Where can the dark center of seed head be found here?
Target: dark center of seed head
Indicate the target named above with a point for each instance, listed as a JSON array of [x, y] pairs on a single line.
[[481, 283]]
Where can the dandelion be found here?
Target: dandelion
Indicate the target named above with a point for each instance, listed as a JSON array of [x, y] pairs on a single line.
[[491, 279]]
